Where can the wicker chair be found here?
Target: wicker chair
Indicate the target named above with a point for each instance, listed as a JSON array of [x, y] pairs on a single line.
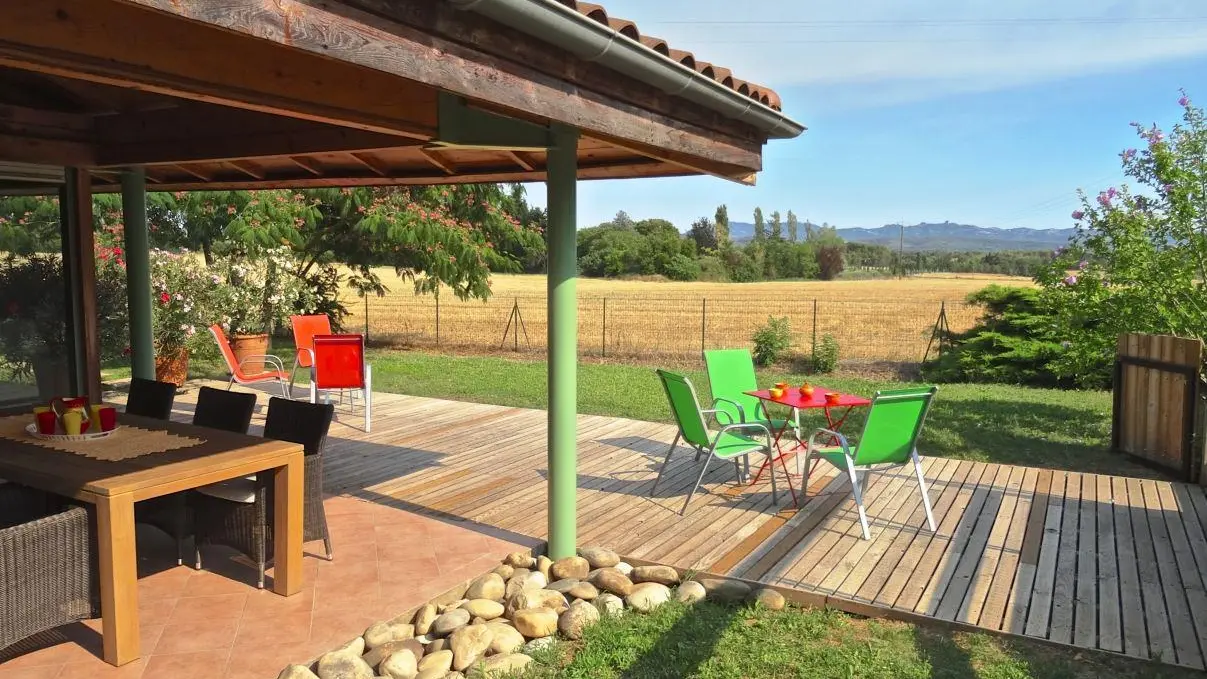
[[217, 409], [46, 565], [239, 513], [149, 398]]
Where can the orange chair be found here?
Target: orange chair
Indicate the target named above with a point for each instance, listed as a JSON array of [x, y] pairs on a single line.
[[236, 368], [304, 330], [338, 364]]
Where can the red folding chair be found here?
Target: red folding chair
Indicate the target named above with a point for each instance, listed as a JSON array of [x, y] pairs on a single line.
[[304, 330], [236, 368], [338, 364]]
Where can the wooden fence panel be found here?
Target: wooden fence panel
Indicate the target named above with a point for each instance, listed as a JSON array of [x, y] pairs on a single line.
[[1156, 394]]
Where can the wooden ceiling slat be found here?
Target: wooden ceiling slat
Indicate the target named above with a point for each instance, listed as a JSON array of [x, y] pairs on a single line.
[[433, 157]]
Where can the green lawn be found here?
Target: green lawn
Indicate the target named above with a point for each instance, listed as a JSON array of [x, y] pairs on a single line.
[[712, 641], [990, 423]]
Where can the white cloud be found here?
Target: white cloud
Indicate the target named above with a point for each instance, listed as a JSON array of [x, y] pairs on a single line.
[[931, 47]]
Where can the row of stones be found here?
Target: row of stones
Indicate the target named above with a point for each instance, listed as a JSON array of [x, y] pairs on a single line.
[[514, 610]]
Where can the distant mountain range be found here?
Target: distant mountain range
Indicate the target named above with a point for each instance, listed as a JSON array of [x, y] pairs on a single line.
[[946, 236]]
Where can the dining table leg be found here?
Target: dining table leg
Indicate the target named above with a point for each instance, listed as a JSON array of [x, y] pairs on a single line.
[[288, 490], [118, 563]]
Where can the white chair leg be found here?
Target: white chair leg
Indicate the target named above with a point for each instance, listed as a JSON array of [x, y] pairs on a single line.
[[804, 484], [930, 518], [665, 462], [858, 492], [368, 396], [699, 480], [775, 498]]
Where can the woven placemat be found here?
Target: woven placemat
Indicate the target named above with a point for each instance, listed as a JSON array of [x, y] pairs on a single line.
[[123, 444]]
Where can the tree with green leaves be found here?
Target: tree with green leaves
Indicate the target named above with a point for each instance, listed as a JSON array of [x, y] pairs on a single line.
[[704, 233], [721, 219], [777, 228], [760, 227], [1137, 261], [793, 226]]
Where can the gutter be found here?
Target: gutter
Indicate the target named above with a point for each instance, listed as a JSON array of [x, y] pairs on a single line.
[[554, 23]]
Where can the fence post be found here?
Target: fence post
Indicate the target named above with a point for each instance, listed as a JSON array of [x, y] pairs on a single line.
[[437, 319], [703, 323], [814, 350], [603, 339]]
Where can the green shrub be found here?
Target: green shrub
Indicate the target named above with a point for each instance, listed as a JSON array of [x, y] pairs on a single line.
[[825, 356], [712, 269], [682, 268], [772, 340]]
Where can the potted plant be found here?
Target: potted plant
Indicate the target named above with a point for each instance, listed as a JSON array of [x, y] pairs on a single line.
[[259, 293], [181, 289]]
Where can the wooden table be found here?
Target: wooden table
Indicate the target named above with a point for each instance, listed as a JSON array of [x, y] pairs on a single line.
[[114, 487]]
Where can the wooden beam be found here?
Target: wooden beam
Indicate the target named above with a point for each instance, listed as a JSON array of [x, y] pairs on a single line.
[[308, 164], [187, 169], [431, 155], [25, 149], [82, 280], [246, 168], [370, 40], [374, 166], [521, 160], [121, 44]]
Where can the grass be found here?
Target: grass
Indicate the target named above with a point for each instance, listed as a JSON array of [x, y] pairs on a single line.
[[712, 641]]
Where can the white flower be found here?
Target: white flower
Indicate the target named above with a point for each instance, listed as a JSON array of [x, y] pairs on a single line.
[[184, 327], [191, 331], [179, 297]]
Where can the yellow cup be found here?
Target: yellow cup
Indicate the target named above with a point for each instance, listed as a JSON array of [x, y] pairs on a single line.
[[41, 409], [72, 420]]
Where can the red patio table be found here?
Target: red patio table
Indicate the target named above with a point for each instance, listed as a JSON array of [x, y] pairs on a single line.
[[792, 398]]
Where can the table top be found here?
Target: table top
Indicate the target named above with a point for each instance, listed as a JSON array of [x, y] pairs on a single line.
[[794, 399], [148, 475]]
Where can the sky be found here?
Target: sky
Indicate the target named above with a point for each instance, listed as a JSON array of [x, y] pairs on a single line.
[[985, 112]]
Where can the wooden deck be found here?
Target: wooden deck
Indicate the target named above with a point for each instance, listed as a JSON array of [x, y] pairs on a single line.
[[1092, 561]]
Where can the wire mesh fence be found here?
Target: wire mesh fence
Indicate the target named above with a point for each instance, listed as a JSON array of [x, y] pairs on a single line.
[[648, 327]]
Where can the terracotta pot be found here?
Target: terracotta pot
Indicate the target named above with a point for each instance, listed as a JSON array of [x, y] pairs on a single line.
[[172, 367], [250, 345]]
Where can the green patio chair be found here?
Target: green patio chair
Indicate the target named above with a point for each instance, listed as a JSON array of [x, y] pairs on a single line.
[[725, 444], [890, 437], [731, 375]]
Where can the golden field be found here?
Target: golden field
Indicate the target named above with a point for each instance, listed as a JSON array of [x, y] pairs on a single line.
[[873, 320]]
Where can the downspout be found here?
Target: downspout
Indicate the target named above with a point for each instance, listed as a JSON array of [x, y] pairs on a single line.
[[553, 22]]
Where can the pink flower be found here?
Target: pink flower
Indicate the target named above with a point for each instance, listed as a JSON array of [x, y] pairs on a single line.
[[1082, 265], [1071, 280], [1129, 154], [1078, 214], [1184, 101], [1104, 199]]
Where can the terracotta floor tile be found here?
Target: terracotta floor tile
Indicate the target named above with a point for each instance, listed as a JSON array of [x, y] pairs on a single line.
[[262, 604], [407, 570], [284, 628], [218, 607], [47, 672], [345, 570], [348, 594], [401, 550], [265, 662], [340, 626], [155, 611], [201, 665], [167, 584], [207, 583], [192, 637], [100, 668]]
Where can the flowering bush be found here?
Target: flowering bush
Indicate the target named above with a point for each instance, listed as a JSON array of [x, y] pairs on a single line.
[[182, 301], [257, 292], [1138, 260]]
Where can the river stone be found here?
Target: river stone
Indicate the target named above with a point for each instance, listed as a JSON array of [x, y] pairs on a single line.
[[525, 580], [504, 665], [625, 568], [599, 557], [297, 672], [440, 659], [400, 665], [454, 675], [574, 567], [434, 673], [384, 651], [663, 575], [344, 663], [424, 618], [437, 646], [611, 580], [385, 632], [504, 571], [577, 618], [647, 596], [504, 638], [447, 622], [485, 609], [468, 645], [536, 598], [609, 604], [488, 586], [450, 606], [520, 560], [535, 622], [726, 591], [584, 590], [542, 564], [690, 592], [768, 598], [539, 644], [562, 586]]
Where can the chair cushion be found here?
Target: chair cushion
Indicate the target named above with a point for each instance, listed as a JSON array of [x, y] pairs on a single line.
[[734, 445], [236, 490]]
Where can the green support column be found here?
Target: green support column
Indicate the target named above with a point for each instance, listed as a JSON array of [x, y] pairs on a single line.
[[138, 272], [563, 341]]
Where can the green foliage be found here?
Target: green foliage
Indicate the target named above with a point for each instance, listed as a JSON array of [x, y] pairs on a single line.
[[825, 356], [772, 340], [793, 227], [721, 219], [1137, 261], [704, 233], [760, 227], [682, 268], [29, 224], [712, 269], [258, 291], [1017, 341], [184, 301], [625, 248], [829, 261]]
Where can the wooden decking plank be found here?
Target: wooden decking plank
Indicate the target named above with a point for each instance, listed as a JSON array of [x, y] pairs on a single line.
[[1039, 611], [1131, 602], [1110, 611], [1185, 642], [1064, 587], [1014, 618], [1156, 617], [884, 584], [1085, 609], [796, 533], [990, 556], [1000, 588], [967, 556], [1188, 570]]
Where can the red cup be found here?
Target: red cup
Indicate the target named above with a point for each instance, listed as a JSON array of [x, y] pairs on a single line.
[[832, 397], [105, 417], [46, 422]]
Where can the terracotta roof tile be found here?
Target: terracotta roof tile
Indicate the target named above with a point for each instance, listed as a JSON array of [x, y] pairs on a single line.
[[718, 73]]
